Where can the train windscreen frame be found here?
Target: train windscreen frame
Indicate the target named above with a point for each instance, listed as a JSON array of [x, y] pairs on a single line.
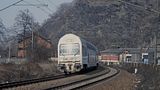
[[69, 49]]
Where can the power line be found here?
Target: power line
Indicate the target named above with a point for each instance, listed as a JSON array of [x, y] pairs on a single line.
[[138, 6], [37, 7], [11, 5], [50, 1], [46, 7]]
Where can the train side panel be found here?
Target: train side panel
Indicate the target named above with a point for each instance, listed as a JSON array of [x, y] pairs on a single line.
[[89, 54]]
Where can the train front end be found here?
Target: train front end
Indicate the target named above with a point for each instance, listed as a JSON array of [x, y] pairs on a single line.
[[69, 54]]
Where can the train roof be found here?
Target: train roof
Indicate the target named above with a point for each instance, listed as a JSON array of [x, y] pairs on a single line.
[[89, 45]]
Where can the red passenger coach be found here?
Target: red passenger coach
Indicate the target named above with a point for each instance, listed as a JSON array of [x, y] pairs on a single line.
[[110, 58]]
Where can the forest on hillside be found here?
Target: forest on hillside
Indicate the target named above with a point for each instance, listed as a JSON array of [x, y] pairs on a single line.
[[106, 23]]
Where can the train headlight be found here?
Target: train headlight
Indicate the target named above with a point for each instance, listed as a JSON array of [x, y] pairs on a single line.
[[77, 65], [61, 66]]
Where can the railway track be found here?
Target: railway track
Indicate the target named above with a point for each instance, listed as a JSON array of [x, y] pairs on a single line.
[[86, 82], [71, 85], [26, 82], [23, 84]]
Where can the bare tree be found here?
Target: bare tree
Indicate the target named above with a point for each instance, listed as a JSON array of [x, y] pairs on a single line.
[[25, 25], [28, 27], [2, 33], [3, 39], [24, 21]]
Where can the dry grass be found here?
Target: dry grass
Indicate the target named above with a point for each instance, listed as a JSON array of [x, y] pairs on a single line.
[[16, 72]]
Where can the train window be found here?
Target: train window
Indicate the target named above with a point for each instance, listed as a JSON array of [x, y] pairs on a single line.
[[84, 51], [69, 49], [75, 49]]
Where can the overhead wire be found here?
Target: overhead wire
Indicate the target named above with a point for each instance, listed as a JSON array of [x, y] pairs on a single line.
[[138, 6], [50, 1], [37, 7], [11, 5], [46, 6], [31, 5]]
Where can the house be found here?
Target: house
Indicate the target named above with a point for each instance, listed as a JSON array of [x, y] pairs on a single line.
[[128, 55], [31, 44]]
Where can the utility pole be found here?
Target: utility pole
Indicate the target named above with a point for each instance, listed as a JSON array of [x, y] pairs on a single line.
[[9, 52], [32, 40], [155, 61], [156, 40], [32, 56], [156, 34], [24, 47]]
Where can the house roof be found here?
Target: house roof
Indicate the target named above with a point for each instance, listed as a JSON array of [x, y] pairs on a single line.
[[130, 50], [30, 36]]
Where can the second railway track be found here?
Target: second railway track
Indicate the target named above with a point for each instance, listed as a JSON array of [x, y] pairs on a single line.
[[26, 82], [43, 83], [85, 82]]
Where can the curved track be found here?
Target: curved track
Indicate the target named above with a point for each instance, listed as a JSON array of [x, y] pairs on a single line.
[[86, 82], [26, 82], [96, 76], [40, 80]]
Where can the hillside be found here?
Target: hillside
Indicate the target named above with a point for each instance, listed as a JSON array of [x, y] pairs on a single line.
[[106, 23]]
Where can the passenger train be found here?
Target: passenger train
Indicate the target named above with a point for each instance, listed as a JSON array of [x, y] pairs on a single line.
[[76, 54]]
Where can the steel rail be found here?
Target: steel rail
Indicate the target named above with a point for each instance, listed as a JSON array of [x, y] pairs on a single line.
[[98, 81], [34, 81], [82, 83], [31, 81]]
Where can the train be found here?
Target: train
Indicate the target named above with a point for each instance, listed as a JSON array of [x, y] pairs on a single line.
[[76, 54]]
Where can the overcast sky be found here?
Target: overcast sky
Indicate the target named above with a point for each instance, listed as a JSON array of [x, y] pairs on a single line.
[[40, 14]]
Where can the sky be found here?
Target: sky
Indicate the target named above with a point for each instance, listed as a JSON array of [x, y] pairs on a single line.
[[40, 13]]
